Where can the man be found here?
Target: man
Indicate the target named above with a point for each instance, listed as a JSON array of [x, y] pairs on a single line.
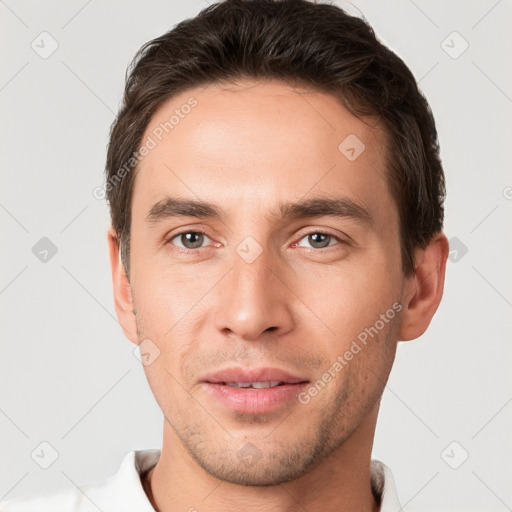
[[276, 196]]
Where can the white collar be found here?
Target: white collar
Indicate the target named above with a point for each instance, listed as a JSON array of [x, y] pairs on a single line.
[[383, 484]]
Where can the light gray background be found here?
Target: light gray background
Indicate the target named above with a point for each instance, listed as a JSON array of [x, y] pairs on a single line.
[[68, 375]]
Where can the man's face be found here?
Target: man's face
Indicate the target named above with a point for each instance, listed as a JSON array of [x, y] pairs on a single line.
[[280, 292]]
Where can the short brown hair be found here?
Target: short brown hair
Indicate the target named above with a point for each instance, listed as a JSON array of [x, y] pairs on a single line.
[[299, 42]]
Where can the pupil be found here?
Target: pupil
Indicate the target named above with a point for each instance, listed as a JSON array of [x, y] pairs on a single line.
[[319, 240], [192, 240]]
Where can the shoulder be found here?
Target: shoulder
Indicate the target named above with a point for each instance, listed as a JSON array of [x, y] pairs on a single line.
[[56, 501], [122, 491]]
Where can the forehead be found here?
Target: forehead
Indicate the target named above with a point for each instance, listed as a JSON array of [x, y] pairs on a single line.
[[258, 142]]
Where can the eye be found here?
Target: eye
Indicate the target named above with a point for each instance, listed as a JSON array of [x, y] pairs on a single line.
[[189, 239], [318, 240]]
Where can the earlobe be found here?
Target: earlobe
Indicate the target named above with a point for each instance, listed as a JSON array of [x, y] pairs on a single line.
[[123, 300], [424, 289]]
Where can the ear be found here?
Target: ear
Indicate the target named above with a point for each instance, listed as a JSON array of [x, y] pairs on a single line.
[[122, 290], [424, 289]]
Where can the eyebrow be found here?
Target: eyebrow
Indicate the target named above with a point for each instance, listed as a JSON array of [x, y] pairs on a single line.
[[324, 207], [175, 207], [170, 207]]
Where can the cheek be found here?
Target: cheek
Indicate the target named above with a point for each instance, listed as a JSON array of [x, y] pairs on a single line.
[[346, 299], [166, 295], [169, 310], [166, 374]]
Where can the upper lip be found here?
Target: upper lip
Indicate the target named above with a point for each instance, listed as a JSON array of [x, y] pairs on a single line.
[[238, 374]]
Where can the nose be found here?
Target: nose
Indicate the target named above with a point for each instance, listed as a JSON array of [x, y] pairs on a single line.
[[253, 301]]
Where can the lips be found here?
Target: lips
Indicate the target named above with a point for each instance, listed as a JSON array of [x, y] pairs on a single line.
[[253, 391], [250, 376]]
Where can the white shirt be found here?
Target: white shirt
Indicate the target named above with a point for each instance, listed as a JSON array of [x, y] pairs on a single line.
[[123, 492]]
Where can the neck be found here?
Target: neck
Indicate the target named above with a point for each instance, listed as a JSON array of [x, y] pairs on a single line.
[[341, 482]]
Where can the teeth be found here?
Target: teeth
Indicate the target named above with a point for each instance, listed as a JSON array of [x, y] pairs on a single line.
[[269, 384], [256, 385]]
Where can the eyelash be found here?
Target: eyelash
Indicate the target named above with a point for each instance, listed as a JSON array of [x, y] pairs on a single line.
[[304, 235]]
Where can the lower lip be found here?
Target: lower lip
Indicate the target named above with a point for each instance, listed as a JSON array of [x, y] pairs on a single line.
[[254, 401]]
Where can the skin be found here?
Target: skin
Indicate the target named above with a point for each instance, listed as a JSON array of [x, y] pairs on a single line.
[[248, 147]]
